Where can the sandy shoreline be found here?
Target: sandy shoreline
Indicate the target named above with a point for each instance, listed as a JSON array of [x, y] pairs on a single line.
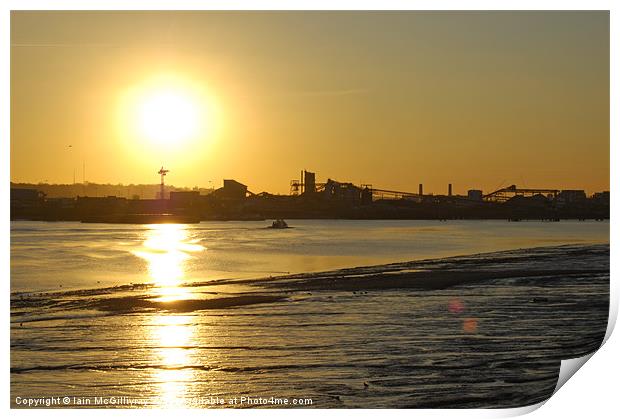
[[539, 265], [484, 330]]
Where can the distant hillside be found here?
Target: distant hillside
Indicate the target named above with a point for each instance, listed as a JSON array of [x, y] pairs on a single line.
[[97, 189]]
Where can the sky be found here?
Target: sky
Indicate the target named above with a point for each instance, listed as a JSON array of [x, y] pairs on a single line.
[[393, 99]]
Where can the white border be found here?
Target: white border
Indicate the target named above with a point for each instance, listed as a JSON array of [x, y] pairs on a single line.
[[308, 5], [594, 389]]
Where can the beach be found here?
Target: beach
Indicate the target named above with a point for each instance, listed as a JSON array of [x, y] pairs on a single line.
[[477, 330]]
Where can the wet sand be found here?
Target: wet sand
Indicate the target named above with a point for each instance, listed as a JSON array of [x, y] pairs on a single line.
[[485, 330]]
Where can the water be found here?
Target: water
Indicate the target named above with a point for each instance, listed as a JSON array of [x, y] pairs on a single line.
[[169, 315], [46, 256]]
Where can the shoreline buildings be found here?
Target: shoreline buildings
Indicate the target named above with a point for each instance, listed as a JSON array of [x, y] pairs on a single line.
[[309, 199]]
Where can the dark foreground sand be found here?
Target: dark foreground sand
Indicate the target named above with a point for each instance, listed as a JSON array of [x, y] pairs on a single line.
[[483, 330]]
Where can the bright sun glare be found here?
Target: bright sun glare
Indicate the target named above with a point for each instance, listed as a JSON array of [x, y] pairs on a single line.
[[167, 114], [168, 117], [167, 249]]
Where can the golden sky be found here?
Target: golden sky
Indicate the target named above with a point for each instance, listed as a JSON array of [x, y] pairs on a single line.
[[476, 99]]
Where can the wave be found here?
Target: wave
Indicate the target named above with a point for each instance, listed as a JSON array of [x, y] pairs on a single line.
[[452, 366]]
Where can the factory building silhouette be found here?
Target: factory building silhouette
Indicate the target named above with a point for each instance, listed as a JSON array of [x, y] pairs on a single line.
[[307, 199]]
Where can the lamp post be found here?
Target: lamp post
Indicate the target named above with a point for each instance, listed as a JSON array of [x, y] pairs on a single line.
[[70, 147]]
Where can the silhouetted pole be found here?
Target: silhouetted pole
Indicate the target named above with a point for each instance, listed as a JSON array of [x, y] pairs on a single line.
[[70, 147], [83, 177], [162, 172]]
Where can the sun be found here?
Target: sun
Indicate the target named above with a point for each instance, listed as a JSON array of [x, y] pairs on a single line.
[[168, 116]]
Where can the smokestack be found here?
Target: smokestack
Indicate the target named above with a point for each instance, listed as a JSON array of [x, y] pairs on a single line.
[[449, 189], [420, 190]]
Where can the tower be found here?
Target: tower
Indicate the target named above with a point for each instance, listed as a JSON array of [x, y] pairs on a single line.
[[162, 172]]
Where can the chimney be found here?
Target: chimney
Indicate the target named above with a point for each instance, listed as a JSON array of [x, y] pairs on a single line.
[[420, 190], [449, 189]]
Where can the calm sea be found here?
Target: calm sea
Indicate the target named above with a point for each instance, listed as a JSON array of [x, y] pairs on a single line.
[[51, 256]]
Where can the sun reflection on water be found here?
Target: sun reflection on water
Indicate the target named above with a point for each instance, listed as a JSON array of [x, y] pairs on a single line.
[[168, 250], [174, 337]]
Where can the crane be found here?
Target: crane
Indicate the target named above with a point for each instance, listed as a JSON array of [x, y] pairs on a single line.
[[502, 195], [162, 172]]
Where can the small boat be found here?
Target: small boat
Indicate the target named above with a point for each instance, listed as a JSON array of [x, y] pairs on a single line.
[[279, 223]]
